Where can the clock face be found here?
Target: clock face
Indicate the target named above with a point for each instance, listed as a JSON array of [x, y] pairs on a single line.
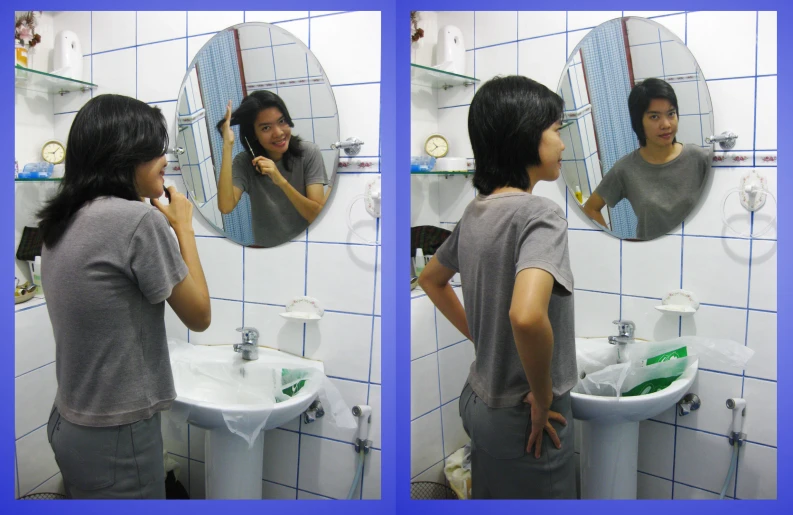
[[53, 152], [436, 146]]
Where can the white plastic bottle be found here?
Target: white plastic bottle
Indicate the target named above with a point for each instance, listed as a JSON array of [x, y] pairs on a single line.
[[419, 261]]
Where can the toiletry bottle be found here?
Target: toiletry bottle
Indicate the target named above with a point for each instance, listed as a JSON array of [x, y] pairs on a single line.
[[419, 261], [578, 195]]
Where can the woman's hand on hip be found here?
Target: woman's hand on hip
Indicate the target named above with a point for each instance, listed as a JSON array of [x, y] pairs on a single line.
[[540, 421], [179, 211]]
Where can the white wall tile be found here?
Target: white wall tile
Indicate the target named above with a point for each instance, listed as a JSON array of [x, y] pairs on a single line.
[[684, 492], [761, 337], [650, 487], [677, 58], [326, 467], [375, 370], [455, 194], [585, 19], [277, 492], [424, 203], [34, 343], [197, 437], [34, 394], [422, 327], [359, 115], [706, 218], [290, 62], [454, 365], [767, 43], [371, 475], [375, 431], [551, 190], [453, 125], [434, 473], [111, 30], [764, 279], [36, 461], [594, 313], [291, 30], [723, 42], [194, 45], [332, 224], [54, 485], [543, 59], [426, 447], [757, 472], [595, 260], [343, 343], [651, 268], [454, 436], [197, 480], [333, 269], [157, 78], [760, 424], [494, 27], [718, 323], [733, 105], [280, 457], [541, 23], [274, 16], [306, 496], [226, 318], [424, 394], [574, 39], [498, 60], [707, 261], [676, 26], [333, 36], [447, 333], [698, 457], [656, 448], [160, 25], [713, 389], [115, 72], [279, 284], [647, 61], [201, 22], [221, 260]]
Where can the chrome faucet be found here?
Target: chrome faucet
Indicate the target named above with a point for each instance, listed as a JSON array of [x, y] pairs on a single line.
[[249, 346], [625, 328]]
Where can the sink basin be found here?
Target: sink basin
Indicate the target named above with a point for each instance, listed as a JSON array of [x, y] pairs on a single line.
[[618, 410], [219, 391], [610, 431]]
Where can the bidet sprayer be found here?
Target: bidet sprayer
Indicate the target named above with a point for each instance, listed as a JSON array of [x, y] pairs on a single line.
[[738, 407], [364, 415]]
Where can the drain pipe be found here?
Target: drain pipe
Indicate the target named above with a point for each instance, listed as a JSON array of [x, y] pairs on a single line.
[[362, 443], [736, 439]]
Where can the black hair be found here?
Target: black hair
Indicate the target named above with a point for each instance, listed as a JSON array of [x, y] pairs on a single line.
[[505, 124], [245, 116], [639, 101], [109, 137]]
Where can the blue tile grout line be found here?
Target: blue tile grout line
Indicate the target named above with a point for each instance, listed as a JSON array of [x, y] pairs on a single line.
[[679, 483]]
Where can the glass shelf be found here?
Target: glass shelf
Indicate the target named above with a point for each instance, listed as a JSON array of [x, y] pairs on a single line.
[[44, 82], [424, 76], [49, 179], [467, 172]]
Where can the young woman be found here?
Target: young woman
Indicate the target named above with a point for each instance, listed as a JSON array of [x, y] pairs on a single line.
[[510, 248], [662, 179], [109, 263], [284, 176]]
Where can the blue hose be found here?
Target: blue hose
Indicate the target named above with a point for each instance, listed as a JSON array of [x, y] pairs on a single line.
[[358, 471], [733, 464]]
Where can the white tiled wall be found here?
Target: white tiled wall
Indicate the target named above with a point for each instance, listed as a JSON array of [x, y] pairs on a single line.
[[733, 277], [128, 53]]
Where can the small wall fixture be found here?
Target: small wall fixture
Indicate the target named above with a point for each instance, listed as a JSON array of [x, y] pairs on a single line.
[[351, 146], [680, 303], [726, 140]]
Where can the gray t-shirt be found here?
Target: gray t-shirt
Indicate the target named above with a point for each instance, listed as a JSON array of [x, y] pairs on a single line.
[[106, 282], [497, 237], [660, 195], [273, 217]]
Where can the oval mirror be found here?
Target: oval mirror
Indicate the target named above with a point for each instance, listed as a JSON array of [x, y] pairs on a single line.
[[637, 112], [261, 179]]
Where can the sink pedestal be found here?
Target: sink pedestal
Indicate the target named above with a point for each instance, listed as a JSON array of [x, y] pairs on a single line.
[[232, 470], [609, 460]]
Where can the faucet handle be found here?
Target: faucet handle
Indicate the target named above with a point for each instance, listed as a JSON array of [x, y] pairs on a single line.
[[249, 334], [625, 327]]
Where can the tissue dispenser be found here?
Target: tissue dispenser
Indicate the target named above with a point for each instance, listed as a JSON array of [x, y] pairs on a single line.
[[68, 56], [451, 50]]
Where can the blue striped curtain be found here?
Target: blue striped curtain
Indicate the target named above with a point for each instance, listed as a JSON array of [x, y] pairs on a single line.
[[606, 66], [219, 79]]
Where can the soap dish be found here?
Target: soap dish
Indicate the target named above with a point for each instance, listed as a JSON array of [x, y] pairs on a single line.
[[679, 303], [303, 309]]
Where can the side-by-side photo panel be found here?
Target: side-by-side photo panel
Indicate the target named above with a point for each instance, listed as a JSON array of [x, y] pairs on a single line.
[[593, 255], [198, 272]]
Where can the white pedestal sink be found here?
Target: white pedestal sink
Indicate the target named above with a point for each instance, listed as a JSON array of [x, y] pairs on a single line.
[[610, 432], [233, 470]]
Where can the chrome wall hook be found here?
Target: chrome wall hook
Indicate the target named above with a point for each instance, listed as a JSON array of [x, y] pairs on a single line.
[[351, 146], [176, 151], [726, 140]]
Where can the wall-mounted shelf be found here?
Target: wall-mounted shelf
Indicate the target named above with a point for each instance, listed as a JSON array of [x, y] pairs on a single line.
[[35, 80], [425, 76], [49, 179], [466, 173]]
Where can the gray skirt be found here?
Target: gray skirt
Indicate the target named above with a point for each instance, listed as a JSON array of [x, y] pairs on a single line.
[[500, 466], [117, 462]]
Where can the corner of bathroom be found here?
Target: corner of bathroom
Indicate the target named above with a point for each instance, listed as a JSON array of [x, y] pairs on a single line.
[[308, 303], [711, 275]]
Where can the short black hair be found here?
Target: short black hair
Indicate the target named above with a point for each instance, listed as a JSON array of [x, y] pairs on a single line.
[[505, 124], [639, 101], [245, 116], [109, 137]]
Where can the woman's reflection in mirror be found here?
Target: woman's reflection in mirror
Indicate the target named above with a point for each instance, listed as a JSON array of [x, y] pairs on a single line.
[[663, 178], [283, 174]]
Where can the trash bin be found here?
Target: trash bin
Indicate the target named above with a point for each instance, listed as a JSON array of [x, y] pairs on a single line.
[[43, 496], [423, 490]]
